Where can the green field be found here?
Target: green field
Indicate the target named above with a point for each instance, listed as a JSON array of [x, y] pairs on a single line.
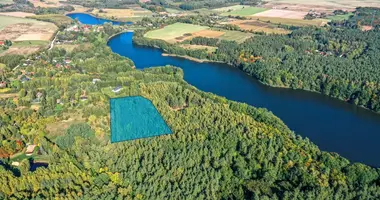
[[6, 2], [229, 8], [29, 43], [245, 11], [59, 20], [340, 17], [293, 22], [172, 31], [5, 21], [237, 36]]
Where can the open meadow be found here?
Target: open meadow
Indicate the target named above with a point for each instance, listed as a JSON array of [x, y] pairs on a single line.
[[122, 13], [286, 14], [47, 3], [59, 20], [17, 14], [2, 2], [292, 22], [243, 11], [174, 32], [179, 32], [28, 35]]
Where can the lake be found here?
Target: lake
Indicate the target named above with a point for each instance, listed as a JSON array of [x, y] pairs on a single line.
[[333, 125], [92, 20]]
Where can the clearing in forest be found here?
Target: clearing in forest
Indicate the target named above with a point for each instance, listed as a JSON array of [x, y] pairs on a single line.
[[135, 118], [244, 11], [174, 32]]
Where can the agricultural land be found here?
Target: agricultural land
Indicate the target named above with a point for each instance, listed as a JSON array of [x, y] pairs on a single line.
[[179, 32], [28, 35]]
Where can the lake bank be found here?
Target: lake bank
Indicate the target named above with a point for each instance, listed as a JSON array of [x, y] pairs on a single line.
[[326, 121]]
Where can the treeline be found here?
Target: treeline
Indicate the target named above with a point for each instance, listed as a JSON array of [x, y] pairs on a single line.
[[338, 62], [363, 16], [193, 5], [103, 4]]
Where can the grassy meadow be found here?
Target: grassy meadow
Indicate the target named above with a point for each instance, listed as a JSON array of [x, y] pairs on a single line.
[[244, 11], [173, 31], [7, 20]]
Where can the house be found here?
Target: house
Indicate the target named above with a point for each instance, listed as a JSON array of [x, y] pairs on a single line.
[[83, 98], [2, 43], [24, 79], [59, 101], [30, 149], [3, 84], [117, 89], [95, 80]]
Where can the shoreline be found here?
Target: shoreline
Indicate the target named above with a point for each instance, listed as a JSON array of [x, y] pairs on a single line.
[[274, 86], [98, 17], [186, 57]]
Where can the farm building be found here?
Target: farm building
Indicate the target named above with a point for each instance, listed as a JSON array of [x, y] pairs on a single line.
[[117, 89], [30, 149]]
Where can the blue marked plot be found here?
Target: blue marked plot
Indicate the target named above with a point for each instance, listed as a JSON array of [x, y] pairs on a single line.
[[134, 118]]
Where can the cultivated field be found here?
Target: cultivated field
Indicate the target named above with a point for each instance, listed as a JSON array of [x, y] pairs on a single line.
[[28, 35], [229, 8], [244, 11], [293, 22], [122, 13], [59, 20], [259, 26], [46, 3], [321, 5], [286, 14], [17, 14], [179, 32], [6, 2], [175, 32]]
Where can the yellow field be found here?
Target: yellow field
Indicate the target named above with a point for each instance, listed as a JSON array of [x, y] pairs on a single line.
[[17, 14], [32, 33]]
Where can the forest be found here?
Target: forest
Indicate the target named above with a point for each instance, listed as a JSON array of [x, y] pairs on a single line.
[[219, 149], [198, 4], [338, 61]]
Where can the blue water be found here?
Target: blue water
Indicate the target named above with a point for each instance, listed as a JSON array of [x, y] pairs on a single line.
[[333, 125], [91, 20], [134, 118]]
